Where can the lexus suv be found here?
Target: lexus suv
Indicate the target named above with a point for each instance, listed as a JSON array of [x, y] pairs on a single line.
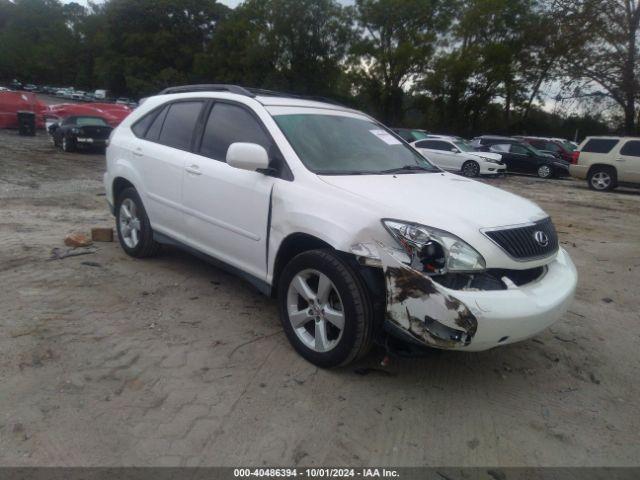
[[358, 236]]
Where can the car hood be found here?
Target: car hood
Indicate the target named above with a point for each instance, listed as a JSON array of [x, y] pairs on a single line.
[[489, 155], [441, 200]]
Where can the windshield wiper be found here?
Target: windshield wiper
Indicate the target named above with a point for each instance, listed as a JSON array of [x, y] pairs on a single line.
[[408, 168]]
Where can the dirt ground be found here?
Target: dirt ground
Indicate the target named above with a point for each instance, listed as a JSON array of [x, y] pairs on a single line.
[[106, 360]]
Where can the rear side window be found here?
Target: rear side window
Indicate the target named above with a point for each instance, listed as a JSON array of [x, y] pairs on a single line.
[[141, 127], [154, 130], [519, 149], [228, 124], [599, 145], [631, 148], [435, 145], [178, 127]]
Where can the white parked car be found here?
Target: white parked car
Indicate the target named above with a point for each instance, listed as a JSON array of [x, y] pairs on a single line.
[[359, 237], [457, 155]]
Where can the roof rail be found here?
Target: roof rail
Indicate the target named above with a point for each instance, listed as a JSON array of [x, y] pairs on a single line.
[[274, 93], [208, 87]]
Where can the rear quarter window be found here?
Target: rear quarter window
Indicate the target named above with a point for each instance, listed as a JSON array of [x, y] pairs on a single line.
[[631, 148], [599, 145]]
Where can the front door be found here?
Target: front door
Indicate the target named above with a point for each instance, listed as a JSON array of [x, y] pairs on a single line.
[[627, 162], [227, 209]]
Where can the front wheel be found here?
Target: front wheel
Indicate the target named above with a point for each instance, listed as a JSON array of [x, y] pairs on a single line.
[[325, 309], [545, 171], [132, 223], [470, 168], [68, 145]]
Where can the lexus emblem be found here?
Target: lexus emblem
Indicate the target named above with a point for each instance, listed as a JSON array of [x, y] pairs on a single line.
[[541, 237]]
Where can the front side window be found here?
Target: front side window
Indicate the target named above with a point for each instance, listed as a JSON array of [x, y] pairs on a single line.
[[229, 124], [348, 145], [518, 149], [177, 129]]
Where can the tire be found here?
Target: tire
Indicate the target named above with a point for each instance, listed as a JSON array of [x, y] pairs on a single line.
[[346, 295], [68, 145], [143, 245], [470, 168], [602, 179], [545, 171]]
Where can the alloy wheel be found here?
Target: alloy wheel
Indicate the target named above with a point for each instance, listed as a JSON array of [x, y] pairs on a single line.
[[315, 310], [129, 223], [470, 169], [544, 171], [601, 180]]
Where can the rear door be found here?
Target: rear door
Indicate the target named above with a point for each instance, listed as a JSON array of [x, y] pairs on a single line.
[[161, 157], [628, 162]]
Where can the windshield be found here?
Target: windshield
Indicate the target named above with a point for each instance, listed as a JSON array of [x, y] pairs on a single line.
[[90, 121], [346, 145], [464, 146], [419, 134]]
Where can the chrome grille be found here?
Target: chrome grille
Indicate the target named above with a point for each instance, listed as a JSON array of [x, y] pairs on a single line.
[[521, 243]]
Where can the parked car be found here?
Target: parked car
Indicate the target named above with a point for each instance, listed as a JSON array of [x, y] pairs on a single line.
[[100, 94], [548, 145], [15, 85], [456, 155], [30, 87], [359, 237], [4, 89], [411, 134], [80, 131], [78, 95], [607, 162], [484, 142], [523, 158]]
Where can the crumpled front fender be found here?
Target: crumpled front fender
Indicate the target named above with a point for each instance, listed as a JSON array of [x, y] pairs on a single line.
[[422, 309]]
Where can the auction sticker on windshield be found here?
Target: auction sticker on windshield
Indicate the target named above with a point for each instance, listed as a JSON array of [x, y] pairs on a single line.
[[385, 136]]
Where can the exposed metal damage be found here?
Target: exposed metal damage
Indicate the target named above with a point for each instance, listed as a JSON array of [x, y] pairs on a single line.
[[416, 304]]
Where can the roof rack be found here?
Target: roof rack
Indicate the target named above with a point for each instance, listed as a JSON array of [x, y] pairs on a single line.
[[247, 92], [208, 87]]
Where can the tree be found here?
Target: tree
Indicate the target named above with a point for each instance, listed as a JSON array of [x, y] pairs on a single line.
[[295, 45], [609, 56], [397, 40]]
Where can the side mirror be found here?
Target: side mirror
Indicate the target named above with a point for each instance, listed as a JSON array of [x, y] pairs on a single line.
[[455, 150], [247, 156]]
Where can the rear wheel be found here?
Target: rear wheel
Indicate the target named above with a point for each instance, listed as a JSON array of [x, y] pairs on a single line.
[[132, 223], [470, 168], [325, 309], [602, 178]]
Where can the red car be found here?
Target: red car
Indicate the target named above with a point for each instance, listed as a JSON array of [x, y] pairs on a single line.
[[549, 145]]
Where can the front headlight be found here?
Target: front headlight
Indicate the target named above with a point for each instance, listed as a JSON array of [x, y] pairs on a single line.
[[433, 251], [490, 160]]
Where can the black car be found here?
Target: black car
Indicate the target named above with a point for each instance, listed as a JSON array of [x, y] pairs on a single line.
[[485, 142], [81, 131], [522, 158]]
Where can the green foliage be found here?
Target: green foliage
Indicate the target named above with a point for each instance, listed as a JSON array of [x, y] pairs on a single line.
[[457, 66]]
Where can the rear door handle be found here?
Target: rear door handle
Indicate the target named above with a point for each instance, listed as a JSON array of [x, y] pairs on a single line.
[[193, 170], [620, 159], [138, 153]]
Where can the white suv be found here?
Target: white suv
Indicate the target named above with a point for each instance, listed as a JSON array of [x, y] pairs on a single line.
[[606, 162], [457, 155], [359, 237]]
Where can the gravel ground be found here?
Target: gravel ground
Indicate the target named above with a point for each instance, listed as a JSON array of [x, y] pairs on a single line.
[[170, 361]]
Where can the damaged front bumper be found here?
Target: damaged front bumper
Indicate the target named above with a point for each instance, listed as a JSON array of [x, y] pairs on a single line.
[[421, 311]]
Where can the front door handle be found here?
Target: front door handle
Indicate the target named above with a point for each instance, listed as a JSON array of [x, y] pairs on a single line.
[[620, 159], [193, 170], [138, 153]]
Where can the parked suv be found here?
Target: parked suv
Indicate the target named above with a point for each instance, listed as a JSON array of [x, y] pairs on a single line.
[[359, 237], [606, 162]]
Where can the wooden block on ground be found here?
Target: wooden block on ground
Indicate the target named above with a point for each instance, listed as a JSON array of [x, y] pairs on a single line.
[[102, 234]]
